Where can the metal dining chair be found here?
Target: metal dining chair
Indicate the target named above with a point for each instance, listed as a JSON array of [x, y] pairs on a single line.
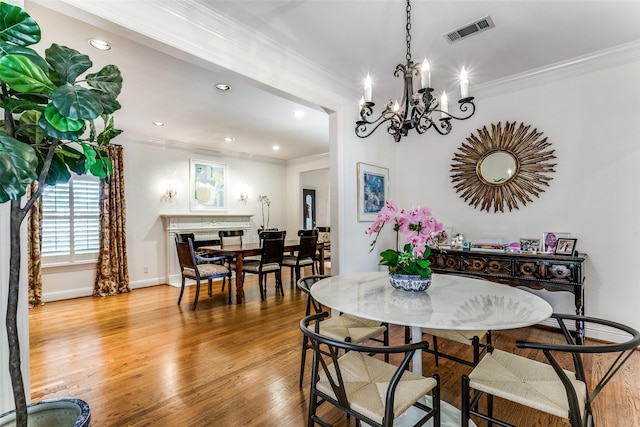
[[548, 387]]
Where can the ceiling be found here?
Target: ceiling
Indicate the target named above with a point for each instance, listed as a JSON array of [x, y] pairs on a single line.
[[350, 38]]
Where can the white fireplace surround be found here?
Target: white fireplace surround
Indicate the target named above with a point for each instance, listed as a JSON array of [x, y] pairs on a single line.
[[204, 227]]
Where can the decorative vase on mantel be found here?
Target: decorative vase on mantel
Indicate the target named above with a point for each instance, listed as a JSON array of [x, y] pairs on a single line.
[[410, 283]]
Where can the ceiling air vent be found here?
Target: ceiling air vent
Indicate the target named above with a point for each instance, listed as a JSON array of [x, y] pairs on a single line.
[[480, 25]]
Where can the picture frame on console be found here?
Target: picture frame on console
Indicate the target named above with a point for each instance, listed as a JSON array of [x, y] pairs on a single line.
[[207, 186], [550, 240], [566, 246], [529, 245], [373, 185]]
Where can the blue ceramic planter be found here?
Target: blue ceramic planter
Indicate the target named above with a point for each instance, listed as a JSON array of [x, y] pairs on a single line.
[[410, 283]]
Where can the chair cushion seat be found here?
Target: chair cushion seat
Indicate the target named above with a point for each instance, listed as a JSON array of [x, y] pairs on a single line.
[[528, 382], [367, 380], [355, 328], [252, 258], [254, 267], [464, 337], [206, 270], [291, 261]]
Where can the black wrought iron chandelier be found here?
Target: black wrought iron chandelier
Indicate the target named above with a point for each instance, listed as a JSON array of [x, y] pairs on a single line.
[[416, 110]]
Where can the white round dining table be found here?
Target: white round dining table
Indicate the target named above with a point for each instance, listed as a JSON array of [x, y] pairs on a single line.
[[451, 302]]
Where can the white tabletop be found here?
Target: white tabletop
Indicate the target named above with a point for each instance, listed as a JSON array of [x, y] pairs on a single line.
[[451, 302]]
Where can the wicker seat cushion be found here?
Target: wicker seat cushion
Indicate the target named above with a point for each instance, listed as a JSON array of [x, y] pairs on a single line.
[[254, 267], [525, 381], [206, 270], [356, 328], [464, 337], [367, 380]]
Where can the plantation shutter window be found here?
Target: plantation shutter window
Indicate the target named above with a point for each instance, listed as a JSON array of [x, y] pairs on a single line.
[[71, 221]]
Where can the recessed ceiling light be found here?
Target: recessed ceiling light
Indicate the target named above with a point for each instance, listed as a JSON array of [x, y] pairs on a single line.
[[223, 87], [99, 44], [229, 139], [298, 114], [275, 147], [158, 123]]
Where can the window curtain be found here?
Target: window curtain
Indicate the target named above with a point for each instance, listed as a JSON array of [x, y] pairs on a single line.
[[112, 275], [34, 248]]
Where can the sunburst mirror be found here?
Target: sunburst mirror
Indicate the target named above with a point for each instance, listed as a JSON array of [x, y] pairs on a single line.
[[502, 167]]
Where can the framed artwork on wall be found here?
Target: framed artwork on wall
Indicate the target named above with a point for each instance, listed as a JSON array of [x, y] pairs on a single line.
[[207, 185], [373, 184]]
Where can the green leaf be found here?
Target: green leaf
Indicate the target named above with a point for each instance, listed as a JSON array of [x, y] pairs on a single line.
[[102, 168], [22, 75], [109, 104], [29, 127], [12, 49], [75, 159], [60, 122], [89, 154], [76, 102], [108, 79], [58, 171], [58, 134], [16, 26], [18, 163], [108, 133], [67, 62], [20, 105]]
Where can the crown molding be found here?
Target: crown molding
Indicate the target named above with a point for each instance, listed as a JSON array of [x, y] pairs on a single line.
[[595, 61]]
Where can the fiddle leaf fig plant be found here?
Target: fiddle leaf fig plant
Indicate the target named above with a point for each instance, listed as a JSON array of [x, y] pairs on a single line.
[[50, 107]]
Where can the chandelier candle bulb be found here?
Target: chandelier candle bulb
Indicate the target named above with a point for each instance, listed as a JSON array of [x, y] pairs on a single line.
[[464, 84], [425, 75], [444, 106], [367, 88]]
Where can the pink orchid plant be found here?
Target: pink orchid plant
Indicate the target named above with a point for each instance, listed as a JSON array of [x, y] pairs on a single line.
[[419, 226]]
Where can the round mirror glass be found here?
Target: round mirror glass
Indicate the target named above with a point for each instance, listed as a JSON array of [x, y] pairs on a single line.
[[498, 167]]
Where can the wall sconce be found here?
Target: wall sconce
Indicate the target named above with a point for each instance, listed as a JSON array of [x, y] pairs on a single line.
[[170, 194], [243, 198]]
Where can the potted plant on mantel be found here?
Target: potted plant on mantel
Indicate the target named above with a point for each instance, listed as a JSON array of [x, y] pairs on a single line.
[[48, 132]]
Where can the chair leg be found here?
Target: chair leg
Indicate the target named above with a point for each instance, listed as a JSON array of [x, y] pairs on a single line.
[[279, 282], [195, 301], [303, 359], [464, 404], [435, 348], [229, 287], [181, 290], [210, 288], [260, 278]]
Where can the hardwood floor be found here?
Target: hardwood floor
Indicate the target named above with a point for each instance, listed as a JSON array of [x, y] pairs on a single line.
[[141, 360]]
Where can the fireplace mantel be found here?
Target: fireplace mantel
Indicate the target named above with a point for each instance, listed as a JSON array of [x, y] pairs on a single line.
[[204, 226]]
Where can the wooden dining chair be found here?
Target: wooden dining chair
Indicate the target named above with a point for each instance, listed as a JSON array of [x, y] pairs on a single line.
[[373, 391], [190, 269], [270, 262], [548, 387], [306, 254], [344, 327]]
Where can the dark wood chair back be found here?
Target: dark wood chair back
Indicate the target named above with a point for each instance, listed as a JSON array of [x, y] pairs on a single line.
[[308, 245], [186, 256], [183, 237], [272, 234], [230, 237], [272, 251]]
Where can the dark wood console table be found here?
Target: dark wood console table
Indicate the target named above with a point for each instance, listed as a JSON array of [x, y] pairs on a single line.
[[535, 271]]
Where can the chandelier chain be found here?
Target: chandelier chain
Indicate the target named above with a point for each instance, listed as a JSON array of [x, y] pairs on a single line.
[[408, 31]]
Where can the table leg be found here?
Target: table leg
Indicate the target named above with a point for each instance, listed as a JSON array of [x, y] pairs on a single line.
[[239, 284], [416, 336]]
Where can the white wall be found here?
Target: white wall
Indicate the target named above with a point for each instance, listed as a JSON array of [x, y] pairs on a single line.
[[148, 168], [591, 120]]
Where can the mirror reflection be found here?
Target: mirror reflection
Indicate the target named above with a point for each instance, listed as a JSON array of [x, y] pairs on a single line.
[[497, 168]]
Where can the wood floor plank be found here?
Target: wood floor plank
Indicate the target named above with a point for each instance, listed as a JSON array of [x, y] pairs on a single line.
[[139, 359]]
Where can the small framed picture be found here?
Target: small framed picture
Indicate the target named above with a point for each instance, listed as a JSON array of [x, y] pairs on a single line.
[[528, 244], [373, 184], [550, 240], [566, 246]]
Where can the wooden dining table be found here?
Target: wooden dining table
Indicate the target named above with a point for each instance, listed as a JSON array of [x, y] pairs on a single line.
[[239, 252]]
